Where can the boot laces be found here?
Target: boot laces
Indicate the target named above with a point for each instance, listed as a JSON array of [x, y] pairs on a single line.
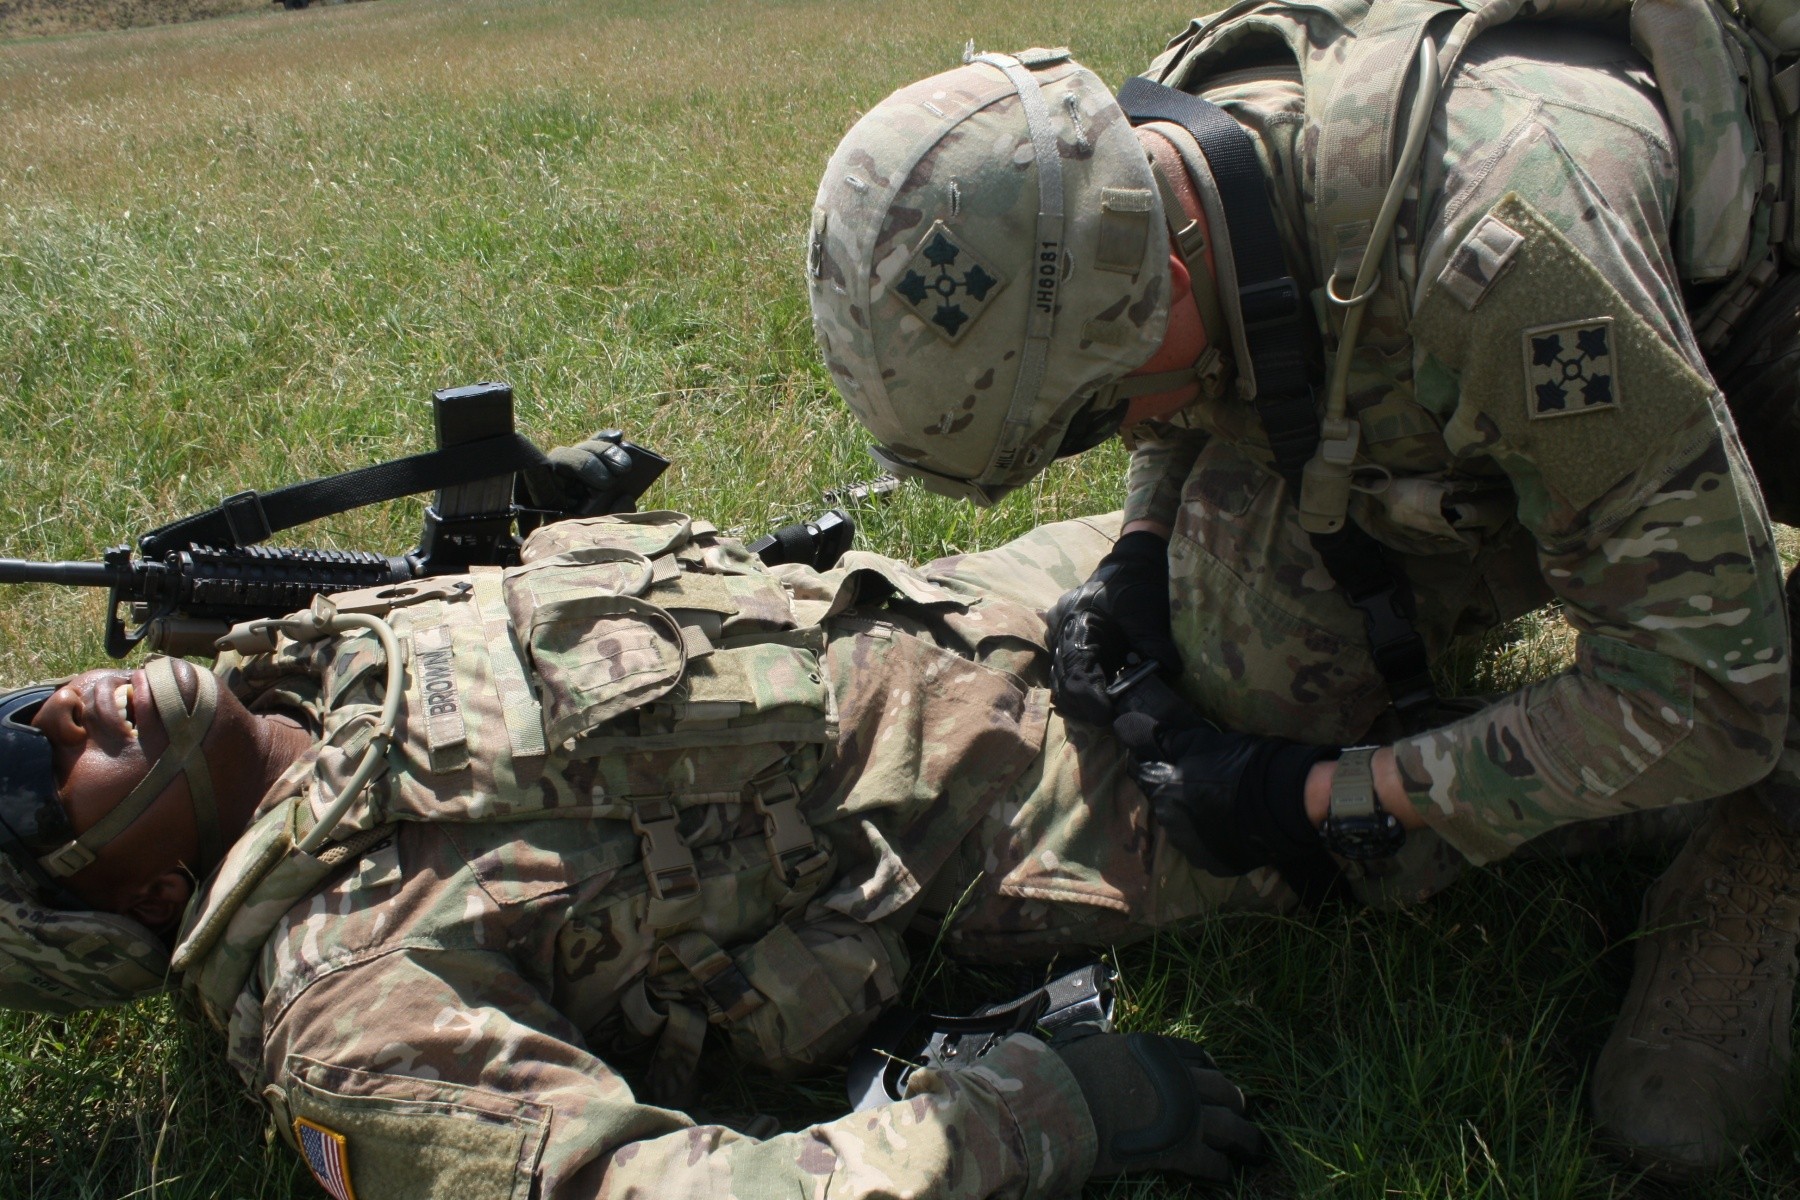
[[1746, 933]]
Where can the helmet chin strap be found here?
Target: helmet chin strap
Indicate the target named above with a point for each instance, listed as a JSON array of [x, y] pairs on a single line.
[[1189, 238], [187, 728]]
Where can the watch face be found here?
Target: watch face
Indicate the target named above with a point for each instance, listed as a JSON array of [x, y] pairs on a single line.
[[1361, 838]]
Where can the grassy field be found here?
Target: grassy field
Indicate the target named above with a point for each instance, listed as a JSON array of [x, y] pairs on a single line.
[[50, 18], [236, 253]]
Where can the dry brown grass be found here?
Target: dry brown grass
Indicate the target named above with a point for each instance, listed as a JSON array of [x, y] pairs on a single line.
[[42, 18]]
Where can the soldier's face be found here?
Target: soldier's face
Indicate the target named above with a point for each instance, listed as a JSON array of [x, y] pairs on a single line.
[[105, 735]]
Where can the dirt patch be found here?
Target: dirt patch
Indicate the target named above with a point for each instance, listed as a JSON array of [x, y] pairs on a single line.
[[38, 18]]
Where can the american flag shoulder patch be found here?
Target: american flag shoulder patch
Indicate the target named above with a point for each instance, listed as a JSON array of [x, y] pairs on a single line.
[[328, 1154]]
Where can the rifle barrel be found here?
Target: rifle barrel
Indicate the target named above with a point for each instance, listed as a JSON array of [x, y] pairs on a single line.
[[73, 574]]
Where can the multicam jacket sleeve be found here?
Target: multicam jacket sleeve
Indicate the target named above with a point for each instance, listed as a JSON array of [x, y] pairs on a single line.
[[447, 1074], [1543, 370], [1161, 457], [412, 1047], [1550, 334]]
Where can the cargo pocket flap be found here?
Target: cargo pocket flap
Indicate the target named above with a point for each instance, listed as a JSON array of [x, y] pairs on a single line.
[[651, 534], [577, 575], [598, 657], [821, 986]]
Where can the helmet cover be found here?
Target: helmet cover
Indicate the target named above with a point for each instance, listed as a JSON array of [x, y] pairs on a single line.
[[57, 961], [987, 252], [55, 956]]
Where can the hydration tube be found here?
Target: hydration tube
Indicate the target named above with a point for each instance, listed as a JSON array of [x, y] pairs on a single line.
[[374, 755], [1368, 273], [1326, 483], [323, 621]]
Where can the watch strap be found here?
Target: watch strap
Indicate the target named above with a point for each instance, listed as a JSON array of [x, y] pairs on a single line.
[[1353, 784], [1356, 826]]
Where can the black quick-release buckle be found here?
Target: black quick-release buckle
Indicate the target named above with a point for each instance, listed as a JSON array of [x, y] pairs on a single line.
[[1388, 624], [1269, 303], [1398, 651]]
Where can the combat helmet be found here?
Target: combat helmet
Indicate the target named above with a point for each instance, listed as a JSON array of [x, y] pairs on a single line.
[[987, 262], [57, 955], [58, 960]]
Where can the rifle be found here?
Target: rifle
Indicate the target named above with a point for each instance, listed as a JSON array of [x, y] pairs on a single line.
[[195, 578]]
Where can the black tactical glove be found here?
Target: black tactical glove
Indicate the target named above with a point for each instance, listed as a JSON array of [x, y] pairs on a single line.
[[1122, 609], [1231, 802], [1160, 1104], [581, 480]]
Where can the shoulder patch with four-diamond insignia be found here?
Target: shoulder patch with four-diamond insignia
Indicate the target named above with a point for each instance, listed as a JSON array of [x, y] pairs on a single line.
[[947, 284], [1569, 368]]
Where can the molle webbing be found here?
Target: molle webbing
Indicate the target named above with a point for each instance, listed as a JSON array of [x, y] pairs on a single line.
[[731, 669], [1271, 310]]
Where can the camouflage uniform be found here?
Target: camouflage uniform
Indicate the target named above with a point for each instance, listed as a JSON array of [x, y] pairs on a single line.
[[1537, 424], [443, 991]]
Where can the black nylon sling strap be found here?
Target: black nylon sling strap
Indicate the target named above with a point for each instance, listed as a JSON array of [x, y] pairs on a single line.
[[249, 517], [1270, 299], [1272, 311]]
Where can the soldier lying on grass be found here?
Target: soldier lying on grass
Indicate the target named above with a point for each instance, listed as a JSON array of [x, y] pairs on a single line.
[[593, 805]]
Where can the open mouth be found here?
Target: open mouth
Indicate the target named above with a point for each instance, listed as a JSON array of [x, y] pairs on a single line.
[[123, 702]]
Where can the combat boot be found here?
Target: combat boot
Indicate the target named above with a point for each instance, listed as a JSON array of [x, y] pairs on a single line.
[[1698, 1061]]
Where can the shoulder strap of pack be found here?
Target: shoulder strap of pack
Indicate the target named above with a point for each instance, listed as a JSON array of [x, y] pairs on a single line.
[[1270, 305]]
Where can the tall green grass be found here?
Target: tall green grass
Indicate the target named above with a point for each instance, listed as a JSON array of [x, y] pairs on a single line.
[[237, 253]]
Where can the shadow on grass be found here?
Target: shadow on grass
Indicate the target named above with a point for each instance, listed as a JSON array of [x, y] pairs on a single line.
[[1441, 1051]]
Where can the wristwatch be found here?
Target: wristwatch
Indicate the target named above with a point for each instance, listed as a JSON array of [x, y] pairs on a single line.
[[1356, 826]]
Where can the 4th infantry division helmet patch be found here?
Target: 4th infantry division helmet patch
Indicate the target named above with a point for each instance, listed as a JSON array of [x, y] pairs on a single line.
[[328, 1155], [1569, 368], [947, 285]]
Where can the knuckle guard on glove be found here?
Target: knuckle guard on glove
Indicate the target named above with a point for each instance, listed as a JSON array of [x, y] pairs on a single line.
[[1122, 609], [1159, 1103], [1078, 671], [579, 480]]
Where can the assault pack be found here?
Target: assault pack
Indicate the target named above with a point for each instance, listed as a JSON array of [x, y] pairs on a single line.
[[1371, 73], [1728, 74]]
